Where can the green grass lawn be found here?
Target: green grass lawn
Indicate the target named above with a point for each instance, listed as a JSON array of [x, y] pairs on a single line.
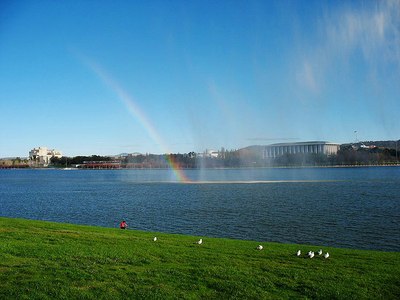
[[44, 260]]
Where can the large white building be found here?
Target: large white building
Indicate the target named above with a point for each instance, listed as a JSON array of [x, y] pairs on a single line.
[[275, 150], [41, 155]]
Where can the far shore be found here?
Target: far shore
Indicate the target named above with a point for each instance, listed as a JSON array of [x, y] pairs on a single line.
[[206, 168]]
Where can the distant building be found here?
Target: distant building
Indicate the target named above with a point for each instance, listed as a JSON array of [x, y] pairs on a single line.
[[209, 153], [41, 156], [275, 150]]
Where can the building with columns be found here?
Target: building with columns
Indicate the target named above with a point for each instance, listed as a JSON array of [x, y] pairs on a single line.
[[41, 156], [275, 150]]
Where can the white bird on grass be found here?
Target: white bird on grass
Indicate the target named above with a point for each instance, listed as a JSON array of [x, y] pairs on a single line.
[[298, 253], [155, 239], [259, 247], [311, 254], [319, 251], [326, 255], [199, 242]]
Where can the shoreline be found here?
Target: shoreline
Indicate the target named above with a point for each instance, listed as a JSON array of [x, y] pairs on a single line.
[[205, 168]]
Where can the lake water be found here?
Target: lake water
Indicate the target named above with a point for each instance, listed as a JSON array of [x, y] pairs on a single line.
[[342, 207]]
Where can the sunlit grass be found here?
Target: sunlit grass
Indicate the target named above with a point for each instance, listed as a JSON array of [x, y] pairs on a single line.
[[43, 260]]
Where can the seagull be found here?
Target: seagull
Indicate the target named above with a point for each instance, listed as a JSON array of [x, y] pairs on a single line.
[[155, 239], [298, 253], [200, 241], [326, 255], [320, 252], [259, 247], [311, 254]]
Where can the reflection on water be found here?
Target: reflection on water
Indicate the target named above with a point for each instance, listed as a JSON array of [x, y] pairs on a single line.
[[348, 207]]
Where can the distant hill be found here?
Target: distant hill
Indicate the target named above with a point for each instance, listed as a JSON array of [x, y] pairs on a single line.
[[127, 154], [380, 144]]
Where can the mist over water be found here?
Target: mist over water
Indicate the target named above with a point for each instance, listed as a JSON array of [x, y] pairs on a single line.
[[343, 207]]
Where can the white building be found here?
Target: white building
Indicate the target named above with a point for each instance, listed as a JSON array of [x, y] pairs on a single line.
[[275, 150], [41, 155], [209, 153]]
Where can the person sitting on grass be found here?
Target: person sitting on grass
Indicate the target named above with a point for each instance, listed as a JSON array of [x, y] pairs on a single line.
[[123, 225]]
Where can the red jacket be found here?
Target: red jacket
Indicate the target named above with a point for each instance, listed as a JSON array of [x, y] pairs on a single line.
[[123, 225]]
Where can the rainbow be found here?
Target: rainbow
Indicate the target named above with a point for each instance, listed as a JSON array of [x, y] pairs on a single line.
[[136, 112], [177, 169]]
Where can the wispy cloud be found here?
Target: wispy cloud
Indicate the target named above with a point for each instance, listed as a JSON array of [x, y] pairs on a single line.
[[375, 30], [369, 33], [262, 139], [306, 77]]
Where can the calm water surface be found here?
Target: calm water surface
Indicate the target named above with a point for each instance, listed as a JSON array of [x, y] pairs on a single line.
[[342, 207]]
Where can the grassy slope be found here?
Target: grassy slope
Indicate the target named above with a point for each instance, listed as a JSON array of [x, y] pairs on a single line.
[[52, 260]]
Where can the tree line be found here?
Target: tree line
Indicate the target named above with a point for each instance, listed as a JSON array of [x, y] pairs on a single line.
[[347, 155]]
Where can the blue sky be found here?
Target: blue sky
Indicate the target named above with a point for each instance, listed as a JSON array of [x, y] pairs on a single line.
[[106, 77]]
